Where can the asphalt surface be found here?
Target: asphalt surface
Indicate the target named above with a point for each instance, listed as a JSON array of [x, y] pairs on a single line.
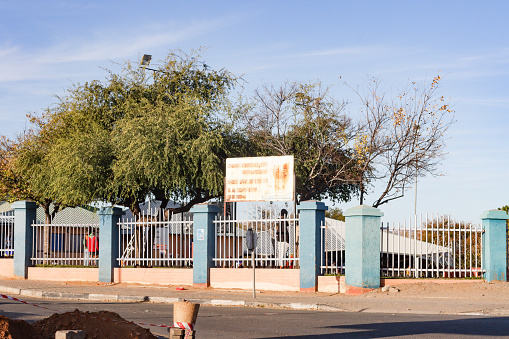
[[392, 301], [254, 322]]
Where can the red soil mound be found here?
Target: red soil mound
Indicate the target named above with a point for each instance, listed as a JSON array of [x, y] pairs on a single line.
[[97, 325], [17, 329]]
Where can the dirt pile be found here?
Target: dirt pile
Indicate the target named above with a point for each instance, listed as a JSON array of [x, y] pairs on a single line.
[[97, 325], [16, 329]]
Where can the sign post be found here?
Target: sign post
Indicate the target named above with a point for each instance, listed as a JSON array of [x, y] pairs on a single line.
[[251, 246], [258, 179]]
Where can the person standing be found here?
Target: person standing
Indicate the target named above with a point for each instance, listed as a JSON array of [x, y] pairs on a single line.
[[282, 238], [93, 247]]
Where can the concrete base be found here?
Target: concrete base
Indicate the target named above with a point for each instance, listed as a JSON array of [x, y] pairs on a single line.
[[354, 290], [205, 285], [309, 290], [331, 284]]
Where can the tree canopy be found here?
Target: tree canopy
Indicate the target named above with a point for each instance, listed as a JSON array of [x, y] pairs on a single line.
[[400, 138], [303, 120], [138, 133], [167, 133]]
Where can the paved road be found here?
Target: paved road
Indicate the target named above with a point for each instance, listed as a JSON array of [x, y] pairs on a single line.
[[250, 322]]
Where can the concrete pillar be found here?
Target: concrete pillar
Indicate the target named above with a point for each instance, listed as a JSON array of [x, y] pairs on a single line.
[[311, 217], [204, 242], [494, 245], [362, 249], [108, 242], [24, 216]]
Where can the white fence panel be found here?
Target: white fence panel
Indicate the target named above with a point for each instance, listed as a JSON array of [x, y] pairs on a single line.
[[332, 247], [7, 234], [153, 241], [277, 242], [65, 244], [71, 238], [432, 247]]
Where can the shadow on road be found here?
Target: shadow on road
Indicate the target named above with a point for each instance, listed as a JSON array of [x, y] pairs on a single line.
[[479, 326]]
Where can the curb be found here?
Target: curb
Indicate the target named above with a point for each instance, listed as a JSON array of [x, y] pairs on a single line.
[[164, 300], [37, 293]]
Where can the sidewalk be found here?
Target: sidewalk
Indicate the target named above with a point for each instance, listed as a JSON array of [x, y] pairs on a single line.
[[468, 298]]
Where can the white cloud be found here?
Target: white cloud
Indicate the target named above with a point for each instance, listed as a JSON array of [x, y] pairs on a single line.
[[20, 64], [362, 51]]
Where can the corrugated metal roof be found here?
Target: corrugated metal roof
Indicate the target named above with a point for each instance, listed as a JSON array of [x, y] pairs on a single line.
[[392, 243]]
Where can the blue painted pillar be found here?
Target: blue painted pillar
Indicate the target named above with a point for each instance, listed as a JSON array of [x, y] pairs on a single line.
[[108, 242], [362, 249], [311, 217], [494, 245], [204, 242], [24, 215]]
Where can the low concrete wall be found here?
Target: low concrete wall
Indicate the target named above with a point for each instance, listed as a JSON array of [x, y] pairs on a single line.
[[334, 284], [228, 278], [331, 284], [167, 276], [267, 279], [7, 267], [392, 282], [64, 273], [162, 276]]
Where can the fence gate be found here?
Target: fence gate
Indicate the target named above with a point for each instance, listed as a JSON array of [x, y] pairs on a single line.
[[431, 247], [277, 237]]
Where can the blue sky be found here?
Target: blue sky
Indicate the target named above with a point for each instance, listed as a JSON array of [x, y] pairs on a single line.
[[45, 46]]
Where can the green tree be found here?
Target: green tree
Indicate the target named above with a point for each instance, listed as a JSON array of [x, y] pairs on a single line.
[[335, 213], [21, 160], [506, 209], [164, 134]]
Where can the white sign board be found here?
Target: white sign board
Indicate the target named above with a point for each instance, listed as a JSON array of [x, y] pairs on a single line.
[[260, 179]]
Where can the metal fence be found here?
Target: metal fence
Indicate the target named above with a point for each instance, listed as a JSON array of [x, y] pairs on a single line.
[[156, 240], [332, 247], [277, 239], [71, 238], [65, 244], [435, 246], [7, 234]]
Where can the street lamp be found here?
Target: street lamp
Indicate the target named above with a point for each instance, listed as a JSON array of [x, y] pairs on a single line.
[[145, 61]]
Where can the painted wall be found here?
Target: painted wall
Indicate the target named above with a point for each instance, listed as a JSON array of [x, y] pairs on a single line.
[[63, 273], [160, 276], [7, 268], [267, 279]]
